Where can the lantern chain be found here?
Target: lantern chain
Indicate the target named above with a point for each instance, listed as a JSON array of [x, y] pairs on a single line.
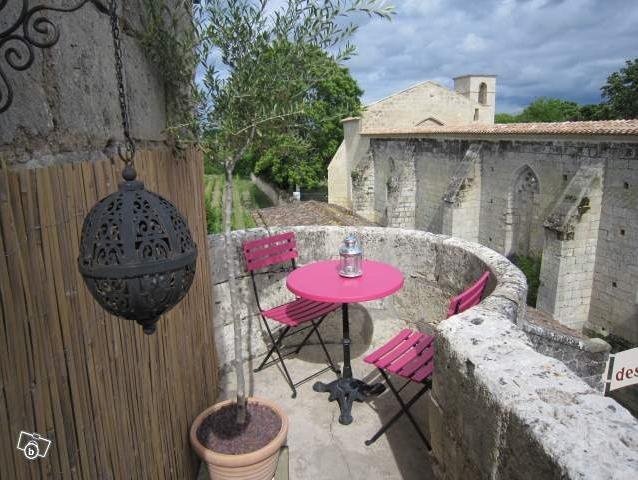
[[129, 153]]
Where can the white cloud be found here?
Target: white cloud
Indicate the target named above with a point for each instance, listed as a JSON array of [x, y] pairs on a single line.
[[473, 43], [558, 48]]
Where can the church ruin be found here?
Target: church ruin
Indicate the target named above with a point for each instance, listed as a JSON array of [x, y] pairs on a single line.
[[432, 159]]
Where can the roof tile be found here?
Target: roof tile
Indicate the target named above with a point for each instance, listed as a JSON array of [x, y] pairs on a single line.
[[602, 127]]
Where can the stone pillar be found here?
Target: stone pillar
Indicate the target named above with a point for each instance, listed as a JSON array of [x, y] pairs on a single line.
[[462, 200], [569, 256], [350, 154], [363, 189], [338, 184], [402, 192]]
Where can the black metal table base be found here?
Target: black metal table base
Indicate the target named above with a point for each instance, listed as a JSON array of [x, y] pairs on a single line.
[[346, 391]]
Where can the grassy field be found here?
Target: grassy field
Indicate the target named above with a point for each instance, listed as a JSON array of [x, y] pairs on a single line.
[[246, 197]]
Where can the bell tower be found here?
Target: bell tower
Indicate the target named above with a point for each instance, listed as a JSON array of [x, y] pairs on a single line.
[[481, 90]]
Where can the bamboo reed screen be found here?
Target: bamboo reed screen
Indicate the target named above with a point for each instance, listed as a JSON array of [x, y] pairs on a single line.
[[116, 403]]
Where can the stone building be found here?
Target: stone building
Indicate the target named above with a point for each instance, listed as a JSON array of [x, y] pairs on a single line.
[[424, 104], [567, 191]]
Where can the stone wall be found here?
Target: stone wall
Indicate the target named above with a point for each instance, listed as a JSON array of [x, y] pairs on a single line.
[[423, 104], [614, 305], [426, 101], [574, 199], [498, 408], [502, 410], [65, 107], [422, 299], [276, 195], [587, 357]]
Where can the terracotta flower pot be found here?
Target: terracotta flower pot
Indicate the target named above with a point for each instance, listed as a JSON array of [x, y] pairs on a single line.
[[258, 465]]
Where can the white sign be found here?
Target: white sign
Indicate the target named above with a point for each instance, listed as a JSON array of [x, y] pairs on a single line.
[[622, 370], [33, 445]]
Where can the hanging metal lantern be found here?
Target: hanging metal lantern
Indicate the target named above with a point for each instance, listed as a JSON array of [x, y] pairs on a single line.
[[137, 255]]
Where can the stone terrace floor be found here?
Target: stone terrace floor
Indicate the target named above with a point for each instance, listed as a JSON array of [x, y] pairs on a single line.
[[307, 213], [323, 449]]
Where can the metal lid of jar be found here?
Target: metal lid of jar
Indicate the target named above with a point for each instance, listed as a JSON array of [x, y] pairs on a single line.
[[350, 246]]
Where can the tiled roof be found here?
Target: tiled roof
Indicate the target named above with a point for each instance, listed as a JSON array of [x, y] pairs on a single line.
[[603, 127]]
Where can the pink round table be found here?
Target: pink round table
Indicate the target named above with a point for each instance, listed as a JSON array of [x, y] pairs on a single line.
[[320, 281]]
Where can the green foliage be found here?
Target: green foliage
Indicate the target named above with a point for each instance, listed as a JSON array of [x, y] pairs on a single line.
[[273, 74], [620, 93], [620, 101], [246, 164], [170, 40], [505, 118], [283, 159], [213, 186], [531, 267], [300, 155], [593, 111], [549, 110], [211, 167], [247, 198], [543, 109]]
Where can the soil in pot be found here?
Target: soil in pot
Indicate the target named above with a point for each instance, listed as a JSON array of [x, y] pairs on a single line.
[[221, 433]]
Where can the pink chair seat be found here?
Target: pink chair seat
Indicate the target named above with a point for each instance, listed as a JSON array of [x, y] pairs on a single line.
[[409, 355], [299, 311], [276, 250], [470, 297]]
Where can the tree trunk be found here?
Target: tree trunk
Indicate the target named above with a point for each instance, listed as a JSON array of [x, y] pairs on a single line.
[[232, 284]]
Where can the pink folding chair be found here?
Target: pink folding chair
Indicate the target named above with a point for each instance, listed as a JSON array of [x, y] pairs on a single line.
[[307, 314], [410, 355]]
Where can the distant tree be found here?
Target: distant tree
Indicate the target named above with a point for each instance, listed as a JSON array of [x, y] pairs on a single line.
[[594, 111], [620, 101], [620, 93], [300, 156], [505, 118], [545, 109]]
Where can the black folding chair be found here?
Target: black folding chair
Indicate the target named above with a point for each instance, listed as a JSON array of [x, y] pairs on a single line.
[[307, 314]]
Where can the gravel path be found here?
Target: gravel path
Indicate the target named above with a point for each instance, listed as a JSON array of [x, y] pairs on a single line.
[[307, 213]]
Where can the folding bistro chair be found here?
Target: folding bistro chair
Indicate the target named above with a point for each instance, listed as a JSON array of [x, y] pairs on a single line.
[[410, 355], [307, 314]]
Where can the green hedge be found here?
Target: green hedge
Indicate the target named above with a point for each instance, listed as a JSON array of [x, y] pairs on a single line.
[[531, 267]]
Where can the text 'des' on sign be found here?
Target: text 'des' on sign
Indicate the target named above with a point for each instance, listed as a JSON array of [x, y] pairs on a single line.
[[622, 370]]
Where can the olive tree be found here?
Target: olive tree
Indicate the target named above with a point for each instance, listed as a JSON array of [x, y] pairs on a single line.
[[257, 80]]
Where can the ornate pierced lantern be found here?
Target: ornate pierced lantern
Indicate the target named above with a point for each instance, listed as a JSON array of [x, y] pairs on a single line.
[[351, 264], [137, 256]]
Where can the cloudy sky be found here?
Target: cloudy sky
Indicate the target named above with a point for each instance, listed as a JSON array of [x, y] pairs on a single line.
[[555, 48]]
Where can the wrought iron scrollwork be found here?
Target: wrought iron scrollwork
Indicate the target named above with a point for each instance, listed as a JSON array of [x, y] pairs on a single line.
[[31, 29]]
